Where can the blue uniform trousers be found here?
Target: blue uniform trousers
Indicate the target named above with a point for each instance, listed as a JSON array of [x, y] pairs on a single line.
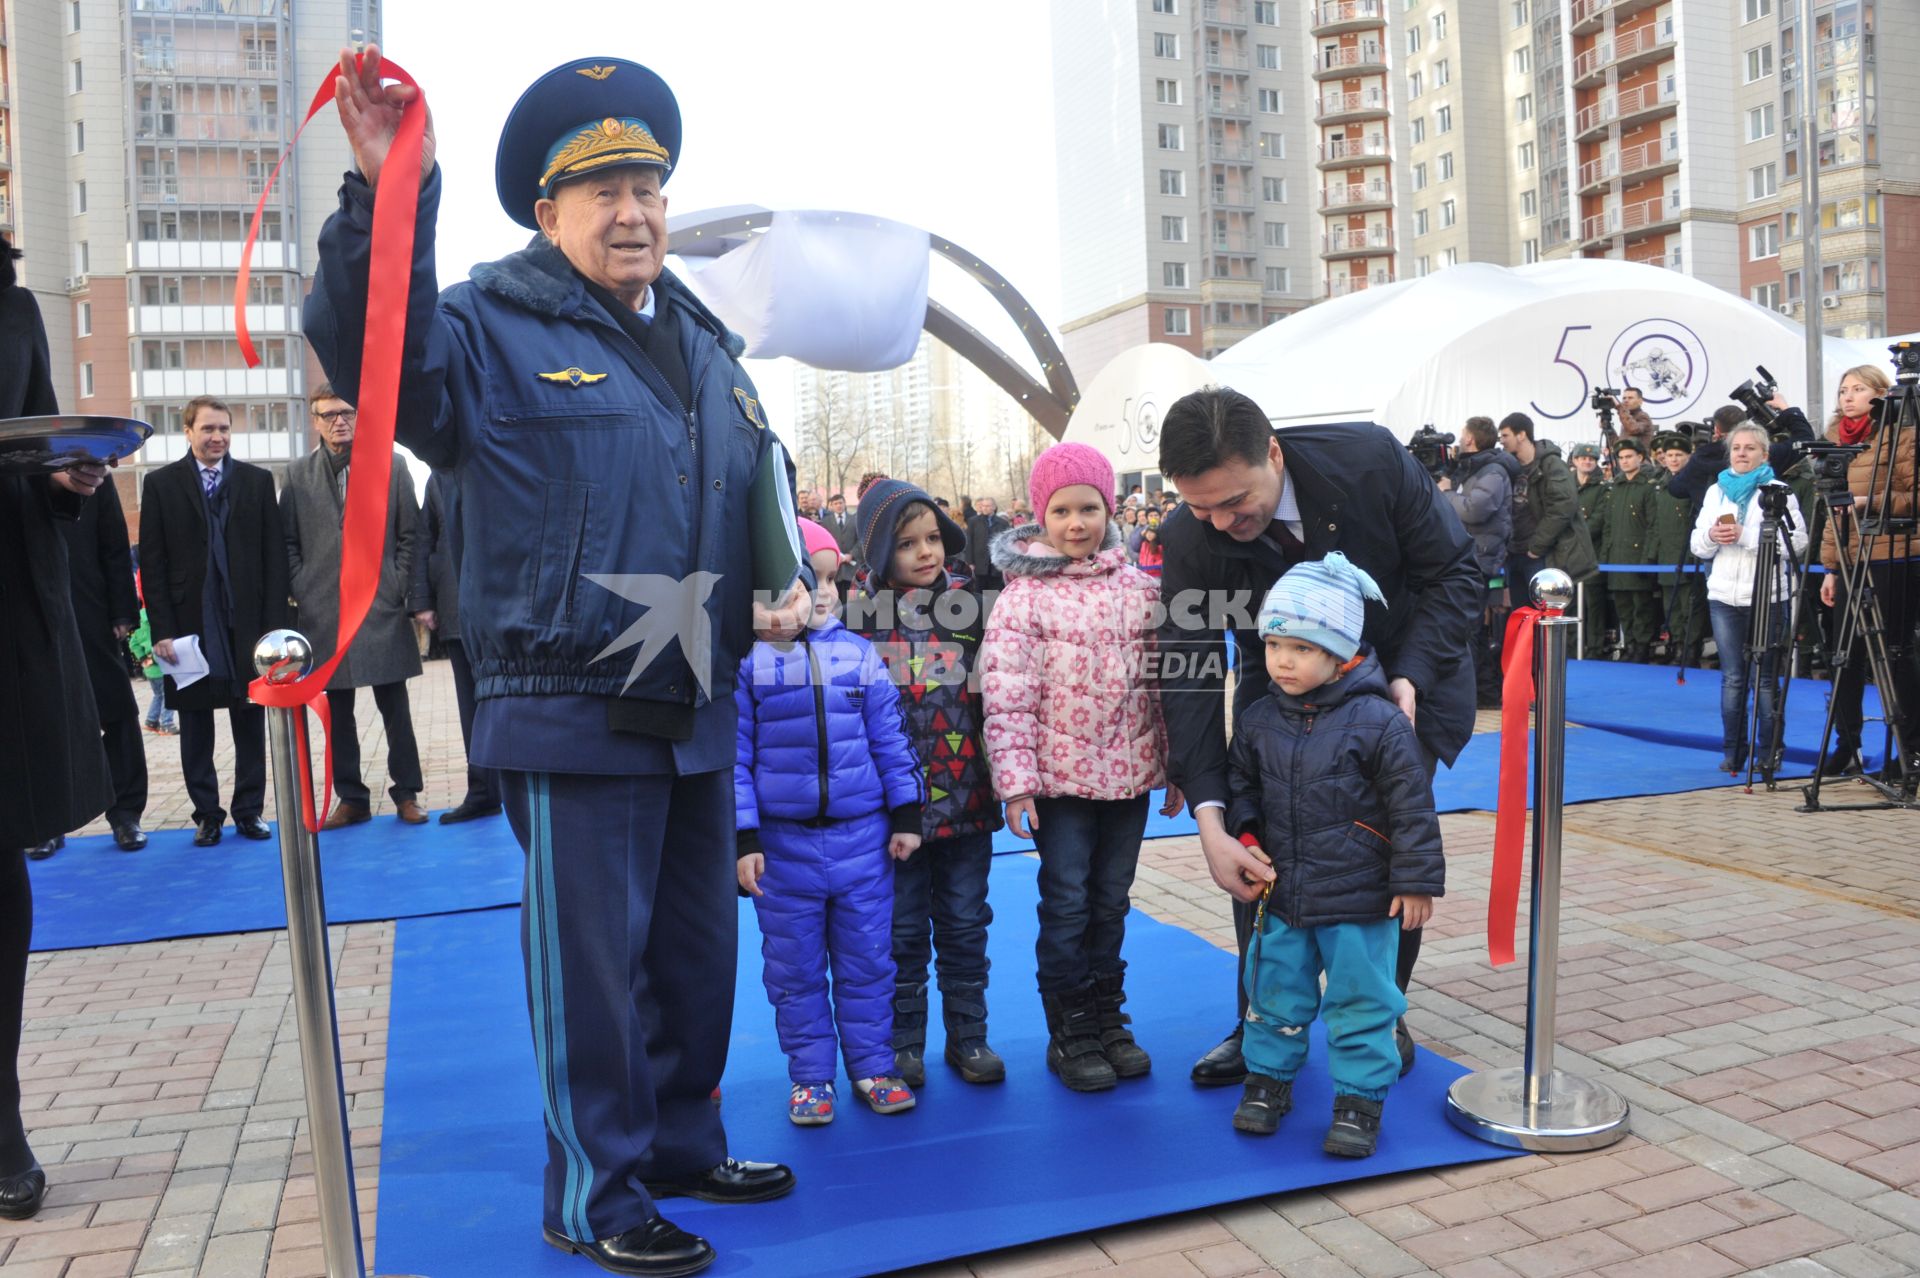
[[1359, 1009], [828, 902], [631, 1005]]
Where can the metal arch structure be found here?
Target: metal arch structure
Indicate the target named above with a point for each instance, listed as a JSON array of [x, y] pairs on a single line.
[[716, 232]]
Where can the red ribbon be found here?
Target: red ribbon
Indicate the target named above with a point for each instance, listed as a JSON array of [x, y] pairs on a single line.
[[1510, 820], [364, 524]]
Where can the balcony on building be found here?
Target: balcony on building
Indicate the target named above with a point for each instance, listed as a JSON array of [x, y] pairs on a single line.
[[1230, 152], [1233, 106], [1342, 285], [1368, 57], [1344, 108], [1587, 16], [153, 61], [1345, 152], [1234, 61], [1652, 158], [1622, 53], [1651, 100], [1335, 16], [1224, 13], [1631, 223], [1347, 242], [1236, 199], [1357, 197], [6, 211]]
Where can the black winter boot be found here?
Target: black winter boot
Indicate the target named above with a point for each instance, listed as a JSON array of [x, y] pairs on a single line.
[[1128, 1058], [1355, 1129], [1843, 759], [1264, 1101], [910, 1032], [1073, 1043], [964, 1009]]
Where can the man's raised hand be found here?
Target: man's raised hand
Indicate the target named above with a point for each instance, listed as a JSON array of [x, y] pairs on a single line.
[[370, 114]]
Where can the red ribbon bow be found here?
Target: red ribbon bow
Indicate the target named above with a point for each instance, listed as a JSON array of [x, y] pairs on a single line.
[[364, 525], [1509, 829]]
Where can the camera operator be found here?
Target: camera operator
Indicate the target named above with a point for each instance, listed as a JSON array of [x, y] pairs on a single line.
[[1548, 531], [1635, 424], [1727, 533], [1889, 573], [1480, 489], [1710, 456]]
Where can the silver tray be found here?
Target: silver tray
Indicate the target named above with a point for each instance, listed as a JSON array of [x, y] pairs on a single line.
[[42, 445]]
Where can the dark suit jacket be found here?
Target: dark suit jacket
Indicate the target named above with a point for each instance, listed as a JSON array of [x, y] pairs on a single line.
[[846, 535], [436, 557], [173, 565], [101, 575], [981, 530]]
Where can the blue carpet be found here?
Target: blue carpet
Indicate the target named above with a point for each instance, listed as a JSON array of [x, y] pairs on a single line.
[[91, 893], [1645, 702], [972, 1169]]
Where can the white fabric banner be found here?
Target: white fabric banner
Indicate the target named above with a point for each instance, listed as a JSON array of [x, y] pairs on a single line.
[[833, 290]]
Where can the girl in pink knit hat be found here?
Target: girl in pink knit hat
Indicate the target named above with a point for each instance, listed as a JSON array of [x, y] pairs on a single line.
[[1077, 745]]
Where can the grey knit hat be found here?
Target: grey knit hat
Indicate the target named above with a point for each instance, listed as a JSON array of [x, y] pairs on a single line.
[[1322, 602]]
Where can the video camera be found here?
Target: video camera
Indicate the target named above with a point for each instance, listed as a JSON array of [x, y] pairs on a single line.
[[1752, 396], [1606, 400], [1830, 464], [1433, 449]]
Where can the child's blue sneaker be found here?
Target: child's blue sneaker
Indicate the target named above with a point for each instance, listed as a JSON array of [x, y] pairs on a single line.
[[810, 1104], [886, 1095]]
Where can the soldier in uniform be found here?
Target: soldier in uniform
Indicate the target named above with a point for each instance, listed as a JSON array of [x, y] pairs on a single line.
[[1626, 537], [1585, 460], [598, 421], [1683, 591]]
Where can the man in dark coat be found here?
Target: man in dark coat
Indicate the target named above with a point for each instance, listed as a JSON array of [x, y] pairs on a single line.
[[983, 526], [436, 591], [1256, 502], [106, 610], [214, 563], [839, 521], [384, 654]]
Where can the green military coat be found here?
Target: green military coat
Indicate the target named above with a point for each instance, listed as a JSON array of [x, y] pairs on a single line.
[[1625, 531]]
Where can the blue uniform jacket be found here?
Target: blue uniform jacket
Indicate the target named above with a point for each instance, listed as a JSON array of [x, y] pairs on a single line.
[[821, 736], [574, 457], [1337, 793]]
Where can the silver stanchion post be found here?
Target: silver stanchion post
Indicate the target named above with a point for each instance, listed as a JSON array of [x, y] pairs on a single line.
[[283, 656], [1538, 1107]]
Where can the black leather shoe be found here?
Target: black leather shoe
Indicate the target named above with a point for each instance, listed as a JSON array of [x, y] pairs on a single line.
[[657, 1249], [1403, 1041], [206, 834], [1223, 1066], [469, 812], [252, 827], [129, 837], [21, 1196], [42, 851], [731, 1182]]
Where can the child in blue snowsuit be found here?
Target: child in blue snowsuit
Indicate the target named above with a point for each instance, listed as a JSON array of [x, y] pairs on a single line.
[[827, 789], [1328, 784]]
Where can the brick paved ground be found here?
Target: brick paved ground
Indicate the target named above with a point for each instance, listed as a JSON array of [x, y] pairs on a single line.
[[1747, 975]]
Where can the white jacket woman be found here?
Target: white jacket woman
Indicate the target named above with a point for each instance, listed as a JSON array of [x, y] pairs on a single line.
[[1733, 562]]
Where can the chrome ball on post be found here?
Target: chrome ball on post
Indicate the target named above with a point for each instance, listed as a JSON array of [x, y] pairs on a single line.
[[1551, 588], [277, 646]]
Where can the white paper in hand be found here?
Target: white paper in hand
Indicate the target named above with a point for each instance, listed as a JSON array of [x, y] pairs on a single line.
[[189, 664]]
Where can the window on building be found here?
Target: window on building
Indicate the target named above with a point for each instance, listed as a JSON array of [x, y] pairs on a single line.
[[1166, 45], [1763, 181], [1451, 257], [1270, 103], [1173, 274], [1274, 234], [79, 137], [1791, 224], [83, 319], [76, 76], [1519, 13], [1523, 108], [1273, 146], [1416, 84], [1440, 25], [1417, 128], [1446, 167], [1420, 222], [1273, 190], [1530, 251], [1767, 295], [1266, 56], [1422, 266], [1758, 9], [1759, 62], [1266, 13], [1173, 229], [79, 197], [1760, 123], [1168, 7], [1173, 182], [1529, 203], [1279, 279], [1170, 138], [1173, 321], [86, 381], [73, 15], [1413, 38], [1763, 240], [1443, 119], [1524, 155], [1523, 60], [1448, 213], [1167, 92], [1420, 177]]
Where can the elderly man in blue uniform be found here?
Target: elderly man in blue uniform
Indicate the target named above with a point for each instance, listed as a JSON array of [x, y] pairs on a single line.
[[604, 437]]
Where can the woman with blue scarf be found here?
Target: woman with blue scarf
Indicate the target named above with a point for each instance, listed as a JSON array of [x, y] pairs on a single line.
[[1726, 537]]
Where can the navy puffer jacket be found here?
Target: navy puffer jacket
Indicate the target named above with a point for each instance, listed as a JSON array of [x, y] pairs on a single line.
[[1337, 793], [820, 735]]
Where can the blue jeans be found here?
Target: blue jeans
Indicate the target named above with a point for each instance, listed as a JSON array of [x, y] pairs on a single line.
[[1359, 1009], [1730, 632], [940, 904], [1089, 849], [158, 716]]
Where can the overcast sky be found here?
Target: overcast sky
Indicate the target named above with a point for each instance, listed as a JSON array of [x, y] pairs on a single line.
[[939, 115]]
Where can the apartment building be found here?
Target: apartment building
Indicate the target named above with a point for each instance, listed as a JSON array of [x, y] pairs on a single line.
[[149, 132]]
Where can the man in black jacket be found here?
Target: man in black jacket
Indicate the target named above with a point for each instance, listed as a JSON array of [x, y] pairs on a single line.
[[983, 526], [1710, 458], [1256, 502], [436, 585]]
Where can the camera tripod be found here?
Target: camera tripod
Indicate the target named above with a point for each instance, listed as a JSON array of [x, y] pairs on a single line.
[[1769, 643], [1861, 619]]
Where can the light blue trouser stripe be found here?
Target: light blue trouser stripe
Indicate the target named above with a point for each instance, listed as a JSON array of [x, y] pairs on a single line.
[[550, 1017]]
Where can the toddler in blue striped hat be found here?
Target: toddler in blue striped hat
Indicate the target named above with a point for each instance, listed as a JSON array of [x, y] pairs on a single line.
[[1329, 785]]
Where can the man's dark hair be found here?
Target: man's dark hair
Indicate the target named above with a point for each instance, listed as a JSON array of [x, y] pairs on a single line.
[[1210, 427], [1480, 431], [8, 256], [1518, 423], [199, 404], [1727, 416]]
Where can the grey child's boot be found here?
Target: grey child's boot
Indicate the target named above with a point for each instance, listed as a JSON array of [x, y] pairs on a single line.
[[910, 1032], [1128, 1058], [1073, 1044], [964, 1010]]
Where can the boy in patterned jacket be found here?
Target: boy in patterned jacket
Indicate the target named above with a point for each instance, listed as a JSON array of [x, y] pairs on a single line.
[[913, 602]]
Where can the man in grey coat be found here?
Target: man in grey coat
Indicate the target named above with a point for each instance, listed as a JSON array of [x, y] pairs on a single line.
[[385, 653]]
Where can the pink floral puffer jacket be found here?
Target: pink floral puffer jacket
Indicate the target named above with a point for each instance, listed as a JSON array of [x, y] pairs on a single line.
[[1071, 712]]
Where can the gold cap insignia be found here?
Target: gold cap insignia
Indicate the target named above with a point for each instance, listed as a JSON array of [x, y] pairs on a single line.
[[594, 73], [572, 377], [600, 144], [750, 406]]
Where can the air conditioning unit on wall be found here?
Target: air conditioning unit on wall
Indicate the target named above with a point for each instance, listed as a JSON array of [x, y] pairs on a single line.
[[1829, 303], [1785, 308]]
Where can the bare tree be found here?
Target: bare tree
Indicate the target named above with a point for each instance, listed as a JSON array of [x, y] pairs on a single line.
[[837, 439]]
